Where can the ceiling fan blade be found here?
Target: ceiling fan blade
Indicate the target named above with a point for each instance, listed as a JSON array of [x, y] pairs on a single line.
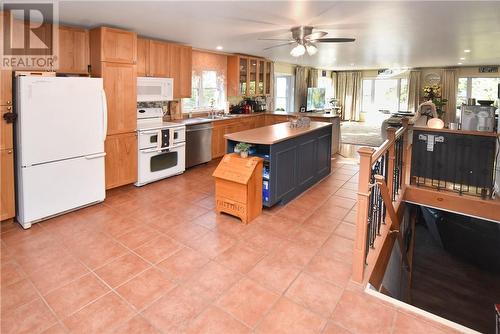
[[276, 39], [277, 46], [333, 40], [315, 35]]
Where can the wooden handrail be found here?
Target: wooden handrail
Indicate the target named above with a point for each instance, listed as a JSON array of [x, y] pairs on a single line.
[[368, 158]]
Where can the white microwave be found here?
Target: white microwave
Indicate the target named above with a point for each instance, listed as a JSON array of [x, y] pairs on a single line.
[[155, 89]]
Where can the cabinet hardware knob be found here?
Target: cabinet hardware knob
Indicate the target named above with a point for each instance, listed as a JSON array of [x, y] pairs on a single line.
[[9, 108], [9, 151], [9, 102]]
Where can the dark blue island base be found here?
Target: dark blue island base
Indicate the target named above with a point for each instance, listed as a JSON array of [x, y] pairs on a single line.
[[292, 163]]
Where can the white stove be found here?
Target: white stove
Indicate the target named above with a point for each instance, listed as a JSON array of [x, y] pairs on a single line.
[[161, 146]]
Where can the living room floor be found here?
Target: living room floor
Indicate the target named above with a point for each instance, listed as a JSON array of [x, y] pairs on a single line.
[[158, 259]]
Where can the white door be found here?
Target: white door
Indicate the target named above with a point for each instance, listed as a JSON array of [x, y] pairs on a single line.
[[59, 118], [53, 188]]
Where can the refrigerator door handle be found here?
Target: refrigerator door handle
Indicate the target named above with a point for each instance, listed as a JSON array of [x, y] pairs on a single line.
[[104, 114], [95, 156]]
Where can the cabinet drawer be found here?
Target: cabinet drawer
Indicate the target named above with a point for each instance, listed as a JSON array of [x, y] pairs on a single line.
[[229, 206], [231, 190]]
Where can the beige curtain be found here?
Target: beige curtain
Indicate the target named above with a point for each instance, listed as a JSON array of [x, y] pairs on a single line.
[[334, 83], [313, 78], [349, 90], [449, 92], [414, 90], [301, 81]]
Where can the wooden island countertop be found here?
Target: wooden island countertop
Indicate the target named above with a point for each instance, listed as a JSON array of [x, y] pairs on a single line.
[[272, 134]]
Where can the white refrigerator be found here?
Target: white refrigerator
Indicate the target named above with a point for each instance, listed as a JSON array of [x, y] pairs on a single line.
[[60, 133]]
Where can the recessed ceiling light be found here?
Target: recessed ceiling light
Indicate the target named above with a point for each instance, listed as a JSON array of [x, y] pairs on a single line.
[[219, 47], [466, 50], [462, 58], [459, 63]]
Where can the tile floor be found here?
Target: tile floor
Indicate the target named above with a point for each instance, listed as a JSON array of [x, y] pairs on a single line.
[[157, 259]]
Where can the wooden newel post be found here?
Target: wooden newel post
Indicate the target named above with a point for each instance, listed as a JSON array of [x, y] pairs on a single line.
[[391, 136], [406, 153], [365, 168]]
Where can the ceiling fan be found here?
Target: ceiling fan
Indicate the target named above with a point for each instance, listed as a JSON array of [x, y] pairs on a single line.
[[306, 40]]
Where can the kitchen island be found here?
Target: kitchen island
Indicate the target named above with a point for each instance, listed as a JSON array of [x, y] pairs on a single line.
[[294, 158]]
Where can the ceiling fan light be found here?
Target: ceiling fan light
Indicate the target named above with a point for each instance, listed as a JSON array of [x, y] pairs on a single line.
[[311, 49], [298, 51]]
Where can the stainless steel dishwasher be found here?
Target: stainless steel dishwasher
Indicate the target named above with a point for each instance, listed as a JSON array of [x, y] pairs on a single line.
[[198, 144]]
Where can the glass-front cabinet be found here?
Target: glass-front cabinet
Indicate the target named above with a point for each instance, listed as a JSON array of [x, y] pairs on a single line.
[[243, 78], [260, 78], [248, 76], [252, 84], [268, 78]]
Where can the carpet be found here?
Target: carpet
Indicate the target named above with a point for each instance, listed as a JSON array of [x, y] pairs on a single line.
[[360, 133]]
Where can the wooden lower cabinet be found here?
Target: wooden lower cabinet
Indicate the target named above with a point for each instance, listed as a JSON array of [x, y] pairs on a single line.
[[7, 204], [121, 159], [6, 137]]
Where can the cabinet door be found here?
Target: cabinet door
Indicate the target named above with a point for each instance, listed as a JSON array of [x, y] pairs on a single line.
[[7, 206], [174, 67], [186, 72], [121, 159], [6, 129], [268, 78], [120, 84], [260, 121], [118, 46], [73, 50], [260, 78], [5, 87], [252, 77], [142, 57], [159, 55], [218, 142], [243, 75]]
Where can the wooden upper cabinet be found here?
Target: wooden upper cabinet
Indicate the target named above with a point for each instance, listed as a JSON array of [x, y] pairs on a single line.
[[246, 76], [160, 59], [5, 87], [113, 45], [73, 50], [142, 57], [121, 93], [186, 72]]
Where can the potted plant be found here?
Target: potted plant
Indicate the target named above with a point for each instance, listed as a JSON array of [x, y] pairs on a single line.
[[242, 149], [433, 93]]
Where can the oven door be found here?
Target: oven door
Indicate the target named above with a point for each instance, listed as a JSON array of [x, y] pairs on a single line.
[[155, 164]]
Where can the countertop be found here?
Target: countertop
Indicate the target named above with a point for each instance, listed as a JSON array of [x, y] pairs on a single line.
[[273, 134], [201, 120]]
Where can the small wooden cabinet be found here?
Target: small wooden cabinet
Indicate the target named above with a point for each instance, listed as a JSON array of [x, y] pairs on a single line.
[[73, 50], [166, 60], [113, 45], [7, 204], [120, 84], [121, 159], [248, 76], [238, 187]]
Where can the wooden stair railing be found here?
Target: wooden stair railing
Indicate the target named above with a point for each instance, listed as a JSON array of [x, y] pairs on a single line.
[[395, 221], [389, 161]]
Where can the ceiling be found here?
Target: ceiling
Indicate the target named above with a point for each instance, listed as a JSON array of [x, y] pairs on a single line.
[[388, 34]]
